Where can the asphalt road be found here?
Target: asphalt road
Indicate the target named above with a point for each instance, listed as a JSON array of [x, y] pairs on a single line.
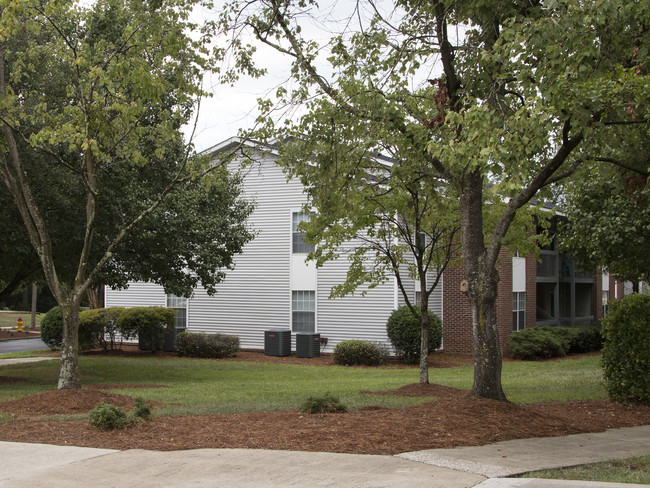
[[16, 345]]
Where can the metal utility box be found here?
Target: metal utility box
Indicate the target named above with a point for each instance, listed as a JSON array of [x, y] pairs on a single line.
[[307, 345], [277, 342]]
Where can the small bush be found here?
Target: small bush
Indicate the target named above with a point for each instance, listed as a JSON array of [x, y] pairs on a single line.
[[536, 343], [323, 404], [52, 328], [201, 345], [101, 324], [355, 352], [626, 349], [405, 331], [586, 339], [108, 417], [148, 324]]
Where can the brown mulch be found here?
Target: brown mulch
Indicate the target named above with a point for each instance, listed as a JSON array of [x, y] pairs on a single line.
[[455, 418], [14, 334]]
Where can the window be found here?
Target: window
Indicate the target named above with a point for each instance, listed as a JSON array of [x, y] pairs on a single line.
[[418, 298], [605, 300], [303, 311], [297, 237], [180, 305], [518, 310]]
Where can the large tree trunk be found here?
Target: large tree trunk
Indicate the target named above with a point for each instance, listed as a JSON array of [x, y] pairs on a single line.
[[69, 369], [481, 288]]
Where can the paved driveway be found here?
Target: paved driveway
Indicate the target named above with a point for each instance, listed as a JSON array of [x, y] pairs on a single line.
[[16, 345]]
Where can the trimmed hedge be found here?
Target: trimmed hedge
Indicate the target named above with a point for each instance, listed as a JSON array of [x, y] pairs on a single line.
[[202, 345], [90, 331], [626, 351], [536, 343], [52, 328], [356, 352], [102, 325], [148, 324], [405, 331]]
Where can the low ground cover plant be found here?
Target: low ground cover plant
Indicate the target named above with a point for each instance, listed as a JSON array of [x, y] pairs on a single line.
[[405, 331], [109, 417], [202, 345], [327, 403], [626, 349], [358, 353], [537, 343]]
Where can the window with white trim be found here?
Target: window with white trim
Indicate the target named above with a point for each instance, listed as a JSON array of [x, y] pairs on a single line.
[[518, 310], [298, 244], [303, 311], [180, 305]]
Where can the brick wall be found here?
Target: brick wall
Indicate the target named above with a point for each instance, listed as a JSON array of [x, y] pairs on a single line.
[[457, 318]]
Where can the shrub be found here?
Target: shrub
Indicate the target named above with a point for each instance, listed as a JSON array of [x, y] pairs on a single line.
[[587, 339], [626, 349], [355, 352], [547, 342], [201, 345], [405, 331], [536, 343], [52, 330], [108, 417], [148, 324], [101, 324], [323, 404]]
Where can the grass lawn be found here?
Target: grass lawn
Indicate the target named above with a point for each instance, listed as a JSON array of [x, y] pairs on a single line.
[[194, 386], [631, 470], [10, 319]]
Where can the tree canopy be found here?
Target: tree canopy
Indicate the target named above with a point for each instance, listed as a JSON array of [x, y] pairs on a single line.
[[92, 102], [498, 101]]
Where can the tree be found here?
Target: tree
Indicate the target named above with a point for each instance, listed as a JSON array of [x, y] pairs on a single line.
[[606, 223], [500, 100], [92, 101], [379, 212]]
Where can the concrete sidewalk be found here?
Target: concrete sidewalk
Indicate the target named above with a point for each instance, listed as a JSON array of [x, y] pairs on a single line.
[[28, 465]]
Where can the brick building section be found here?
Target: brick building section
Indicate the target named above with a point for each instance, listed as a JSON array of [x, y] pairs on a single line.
[[457, 318]]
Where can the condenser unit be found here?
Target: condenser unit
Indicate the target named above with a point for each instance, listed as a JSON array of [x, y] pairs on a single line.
[[277, 342], [307, 345]]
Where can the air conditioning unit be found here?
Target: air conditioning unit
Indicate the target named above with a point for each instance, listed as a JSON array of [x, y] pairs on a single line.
[[307, 345], [277, 342]]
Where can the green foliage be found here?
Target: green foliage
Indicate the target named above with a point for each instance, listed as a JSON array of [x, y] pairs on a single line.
[[404, 330], [52, 328], [356, 352], [148, 324], [626, 349], [109, 417], [101, 324], [95, 98], [536, 343], [613, 209], [327, 403], [201, 345]]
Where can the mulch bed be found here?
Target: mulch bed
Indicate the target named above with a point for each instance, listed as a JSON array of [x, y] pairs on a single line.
[[455, 418]]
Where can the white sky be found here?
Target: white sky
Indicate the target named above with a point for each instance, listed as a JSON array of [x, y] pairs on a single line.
[[231, 108]]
